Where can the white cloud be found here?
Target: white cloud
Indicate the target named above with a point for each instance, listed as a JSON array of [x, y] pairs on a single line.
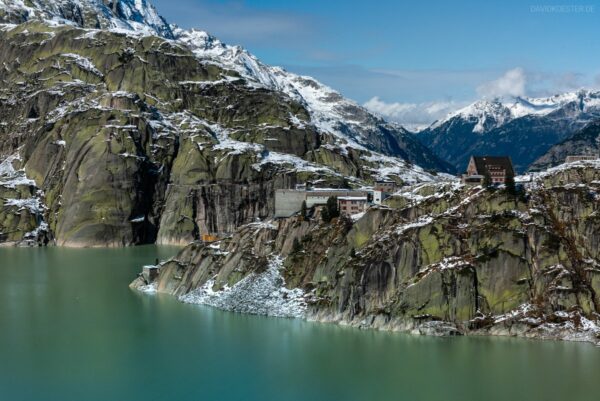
[[512, 83], [413, 115]]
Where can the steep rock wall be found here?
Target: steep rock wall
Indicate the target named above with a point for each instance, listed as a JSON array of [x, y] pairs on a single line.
[[466, 259]]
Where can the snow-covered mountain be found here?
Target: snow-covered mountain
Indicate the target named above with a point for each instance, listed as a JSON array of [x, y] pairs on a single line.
[[486, 115], [584, 142], [127, 15], [523, 128], [331, 113], [172, 131]]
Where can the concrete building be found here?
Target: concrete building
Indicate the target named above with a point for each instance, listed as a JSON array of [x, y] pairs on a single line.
[[380, 196], [349, 205], [150, 273], [289, 201], [318, 197]]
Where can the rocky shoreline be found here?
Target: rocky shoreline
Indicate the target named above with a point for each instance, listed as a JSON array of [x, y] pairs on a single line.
[[265, 294], [439, 258]]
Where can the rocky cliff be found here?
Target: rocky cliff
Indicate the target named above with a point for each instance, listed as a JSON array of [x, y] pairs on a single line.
[[128, 132], [438, 259], [111, 128]]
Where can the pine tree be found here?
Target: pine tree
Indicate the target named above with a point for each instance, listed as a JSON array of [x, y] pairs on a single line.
[[332, 206], [487, 179], [331, 210], [303, 211], [509, 181]]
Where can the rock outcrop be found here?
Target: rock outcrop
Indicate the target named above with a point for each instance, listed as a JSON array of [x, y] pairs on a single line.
[[22, 215], [129, 135], [132, 139], [438, 259]]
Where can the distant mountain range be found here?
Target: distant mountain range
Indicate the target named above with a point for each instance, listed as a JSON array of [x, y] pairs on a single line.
[[524, 128], [583, 142]]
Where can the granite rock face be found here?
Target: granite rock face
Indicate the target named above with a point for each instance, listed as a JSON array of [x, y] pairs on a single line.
[[131, 138], [439, 259], [22, 213]]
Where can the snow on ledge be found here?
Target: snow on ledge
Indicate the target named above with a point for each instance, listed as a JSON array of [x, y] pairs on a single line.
[[258, 294]]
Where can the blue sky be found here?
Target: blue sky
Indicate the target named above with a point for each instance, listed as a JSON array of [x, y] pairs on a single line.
[[404, 58]]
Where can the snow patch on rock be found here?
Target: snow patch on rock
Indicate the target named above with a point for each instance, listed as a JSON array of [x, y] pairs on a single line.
[[258, 294], [84, 63]]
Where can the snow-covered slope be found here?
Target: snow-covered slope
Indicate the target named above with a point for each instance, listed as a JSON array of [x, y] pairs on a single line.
[[350, 124], [344, 124], [129, 15], [331, 113], [489, 114]]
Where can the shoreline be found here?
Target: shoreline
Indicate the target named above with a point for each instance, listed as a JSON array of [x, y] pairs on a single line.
[[431, 328]]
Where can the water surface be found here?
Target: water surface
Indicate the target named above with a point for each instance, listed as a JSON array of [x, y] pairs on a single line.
[[71, 329]]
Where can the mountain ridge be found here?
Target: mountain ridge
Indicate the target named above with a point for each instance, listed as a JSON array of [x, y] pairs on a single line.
[[503, 110], [132, 15], [523, 128], [583, 142], [330, 111], [133, 138]]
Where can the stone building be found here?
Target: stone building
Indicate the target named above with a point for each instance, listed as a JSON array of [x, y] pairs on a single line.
[[498, 167]]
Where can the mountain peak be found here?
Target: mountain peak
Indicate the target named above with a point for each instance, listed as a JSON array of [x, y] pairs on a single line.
[[487, 114], [130, 15], [345, 123]]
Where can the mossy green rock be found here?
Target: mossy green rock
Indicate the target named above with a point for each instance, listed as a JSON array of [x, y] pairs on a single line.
[[474, 258]]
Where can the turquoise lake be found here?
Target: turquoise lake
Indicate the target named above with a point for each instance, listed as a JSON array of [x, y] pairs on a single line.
[[71, 329]]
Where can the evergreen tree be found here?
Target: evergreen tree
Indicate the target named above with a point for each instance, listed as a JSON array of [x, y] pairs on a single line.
[[303, 211], [487, 179], [331, 210], [332, 206], [511, 187]]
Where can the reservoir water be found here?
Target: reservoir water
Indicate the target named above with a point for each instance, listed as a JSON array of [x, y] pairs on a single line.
[[71, 329]]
